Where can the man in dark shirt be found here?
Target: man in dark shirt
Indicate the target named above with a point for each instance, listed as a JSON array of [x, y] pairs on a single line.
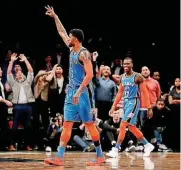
[[111, 127], [105, 93], [159, 122]]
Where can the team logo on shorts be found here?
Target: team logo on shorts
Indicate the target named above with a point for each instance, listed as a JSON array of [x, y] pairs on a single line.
[[130, 115]]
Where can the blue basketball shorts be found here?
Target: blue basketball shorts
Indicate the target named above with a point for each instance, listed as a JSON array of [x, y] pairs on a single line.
[[79, 112], [131, 108]]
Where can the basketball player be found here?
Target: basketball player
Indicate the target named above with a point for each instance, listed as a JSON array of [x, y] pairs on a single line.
[[130, 86], [77, 102]]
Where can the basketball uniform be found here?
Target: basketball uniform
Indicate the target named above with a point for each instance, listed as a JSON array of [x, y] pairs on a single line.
[[81, 111], [131, 98]]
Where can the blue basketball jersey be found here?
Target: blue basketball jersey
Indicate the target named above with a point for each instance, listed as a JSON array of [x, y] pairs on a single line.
[[76, 69], [130, 89], [77, 74]]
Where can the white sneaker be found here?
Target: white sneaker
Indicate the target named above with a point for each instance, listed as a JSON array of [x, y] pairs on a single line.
[[153, 140], [113, 143], [130, 142], [126, 150], [48, 149], [132, 148], [148, 148], [162, 146], [168, 150], [139, 148], [160, 150], [113, 153]]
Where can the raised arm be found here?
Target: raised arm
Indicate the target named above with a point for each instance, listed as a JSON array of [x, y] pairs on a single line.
[[116, 78], [94, 63], [10, 78], [10, 66], [28, 65], [51, 75], [60, 28]]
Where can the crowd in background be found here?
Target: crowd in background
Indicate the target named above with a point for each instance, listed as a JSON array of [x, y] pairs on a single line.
[[32, 99]]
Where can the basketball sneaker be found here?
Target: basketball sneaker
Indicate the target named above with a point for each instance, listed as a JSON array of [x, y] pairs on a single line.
[[113, 153], [57, 161], [97, 162], [148, 149]]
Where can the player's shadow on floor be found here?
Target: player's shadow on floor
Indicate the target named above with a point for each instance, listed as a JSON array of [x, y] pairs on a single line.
[[18, 160]]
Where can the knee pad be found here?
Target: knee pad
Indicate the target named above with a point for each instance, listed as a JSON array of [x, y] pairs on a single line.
[[93, 131], [66, 133]]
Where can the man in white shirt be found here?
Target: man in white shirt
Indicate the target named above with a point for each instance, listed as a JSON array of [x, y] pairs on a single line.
[[22, 97]]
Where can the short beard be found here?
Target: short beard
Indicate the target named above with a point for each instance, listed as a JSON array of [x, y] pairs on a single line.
[[146, 76], [107, 75]]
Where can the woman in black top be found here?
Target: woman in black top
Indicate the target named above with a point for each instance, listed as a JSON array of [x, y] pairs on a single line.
[[174, 101], [174, 95]]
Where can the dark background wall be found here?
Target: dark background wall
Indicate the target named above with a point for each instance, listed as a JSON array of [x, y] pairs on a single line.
[[114, 27]]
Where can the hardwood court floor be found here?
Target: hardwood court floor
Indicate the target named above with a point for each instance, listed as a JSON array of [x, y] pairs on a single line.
[[77, 161]]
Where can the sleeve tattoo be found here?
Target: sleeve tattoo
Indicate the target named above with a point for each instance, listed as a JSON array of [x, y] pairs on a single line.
[[85, 56]]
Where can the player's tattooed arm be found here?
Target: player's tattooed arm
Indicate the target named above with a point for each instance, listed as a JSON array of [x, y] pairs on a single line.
[[85, 56], [60, 28], [86, 59], [139, 78]]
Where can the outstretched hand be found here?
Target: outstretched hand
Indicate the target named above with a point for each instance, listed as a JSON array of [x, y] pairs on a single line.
[[50, 11], [95, 55], [22, 58], [14, 57]]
